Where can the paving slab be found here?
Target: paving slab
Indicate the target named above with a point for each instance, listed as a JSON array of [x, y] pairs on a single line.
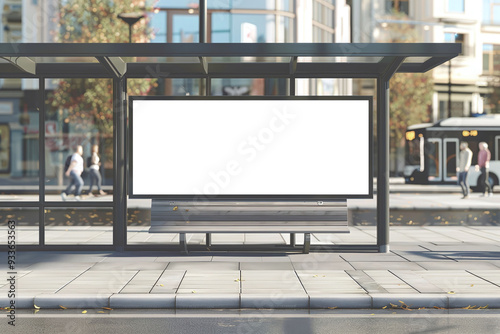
[[439, 266], [83, 300], [266, 265], [392, 265], [341, 301], [474, 300], [211, 301], [276, 300], [203, 266], [413, 301], [323, 265], [454, 265], [139, 301], [140, 265]]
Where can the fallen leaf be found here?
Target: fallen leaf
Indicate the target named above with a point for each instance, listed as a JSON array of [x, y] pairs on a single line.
[[175, 208], [36, 307], [333, 308], [84, 311], [384, 307], [107, 308], [64, 308], [451, 292]]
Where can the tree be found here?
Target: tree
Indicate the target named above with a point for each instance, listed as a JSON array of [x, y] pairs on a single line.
[[96, 21], [410, 93]]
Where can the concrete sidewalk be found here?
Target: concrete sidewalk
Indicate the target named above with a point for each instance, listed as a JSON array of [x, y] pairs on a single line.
[[433, 266]]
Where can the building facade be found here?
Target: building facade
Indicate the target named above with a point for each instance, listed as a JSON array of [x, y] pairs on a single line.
[[464, 86]]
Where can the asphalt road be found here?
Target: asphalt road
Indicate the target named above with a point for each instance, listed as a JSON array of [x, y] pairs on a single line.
[[250, 322]]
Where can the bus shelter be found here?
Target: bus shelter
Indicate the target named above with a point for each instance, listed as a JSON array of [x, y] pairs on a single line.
[[120, 62]]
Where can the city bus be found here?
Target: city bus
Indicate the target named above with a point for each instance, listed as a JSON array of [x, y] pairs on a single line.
[[431, 149]]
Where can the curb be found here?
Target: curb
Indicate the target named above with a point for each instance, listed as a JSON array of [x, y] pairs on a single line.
[[254, 301]]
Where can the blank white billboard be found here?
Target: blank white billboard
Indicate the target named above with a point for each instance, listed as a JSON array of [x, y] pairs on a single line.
[[245, 147]]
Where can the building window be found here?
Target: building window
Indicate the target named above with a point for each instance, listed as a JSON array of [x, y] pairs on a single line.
[[401, 6], [456, 6], [19, 142], [323, 22], [491, 12], [491, 59]]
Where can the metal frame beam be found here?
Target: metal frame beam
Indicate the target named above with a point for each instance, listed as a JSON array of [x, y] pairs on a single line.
[[23, 63], [230, 49], [114, 65]]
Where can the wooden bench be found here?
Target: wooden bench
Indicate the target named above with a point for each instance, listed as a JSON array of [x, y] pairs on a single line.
[[248, 217]]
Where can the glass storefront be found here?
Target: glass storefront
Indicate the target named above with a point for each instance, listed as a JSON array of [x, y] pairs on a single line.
[[19, 141], [229, 21]]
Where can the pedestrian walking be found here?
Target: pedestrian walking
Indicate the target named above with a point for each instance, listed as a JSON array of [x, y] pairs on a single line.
[[463, 166], [95, 174], [74, 171], [483, 165]]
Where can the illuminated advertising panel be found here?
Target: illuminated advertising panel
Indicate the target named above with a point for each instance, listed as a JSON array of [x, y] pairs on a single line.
[[228, 148]]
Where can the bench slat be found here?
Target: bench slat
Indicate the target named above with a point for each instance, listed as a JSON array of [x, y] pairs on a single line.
[[248, 229]]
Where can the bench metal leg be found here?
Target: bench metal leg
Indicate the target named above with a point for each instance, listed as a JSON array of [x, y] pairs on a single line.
[[307, 243], [292, 239], [208, 239], [183, 242]]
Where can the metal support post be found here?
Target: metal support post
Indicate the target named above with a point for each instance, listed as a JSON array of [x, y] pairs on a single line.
[[383, 165], [119, 162], [203, 21], [41, 170], [183, 242], [383, 139]]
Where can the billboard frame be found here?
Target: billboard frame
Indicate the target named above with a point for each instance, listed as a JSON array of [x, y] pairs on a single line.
[[276, 197]]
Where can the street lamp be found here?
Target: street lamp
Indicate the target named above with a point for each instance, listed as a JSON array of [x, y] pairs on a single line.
[[130, 19]]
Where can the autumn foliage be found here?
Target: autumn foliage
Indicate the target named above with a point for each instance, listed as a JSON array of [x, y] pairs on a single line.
[[89, 100]]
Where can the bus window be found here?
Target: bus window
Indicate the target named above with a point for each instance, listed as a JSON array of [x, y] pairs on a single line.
[[413, 152], [497, 147], [450, 158], [434, 159]]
